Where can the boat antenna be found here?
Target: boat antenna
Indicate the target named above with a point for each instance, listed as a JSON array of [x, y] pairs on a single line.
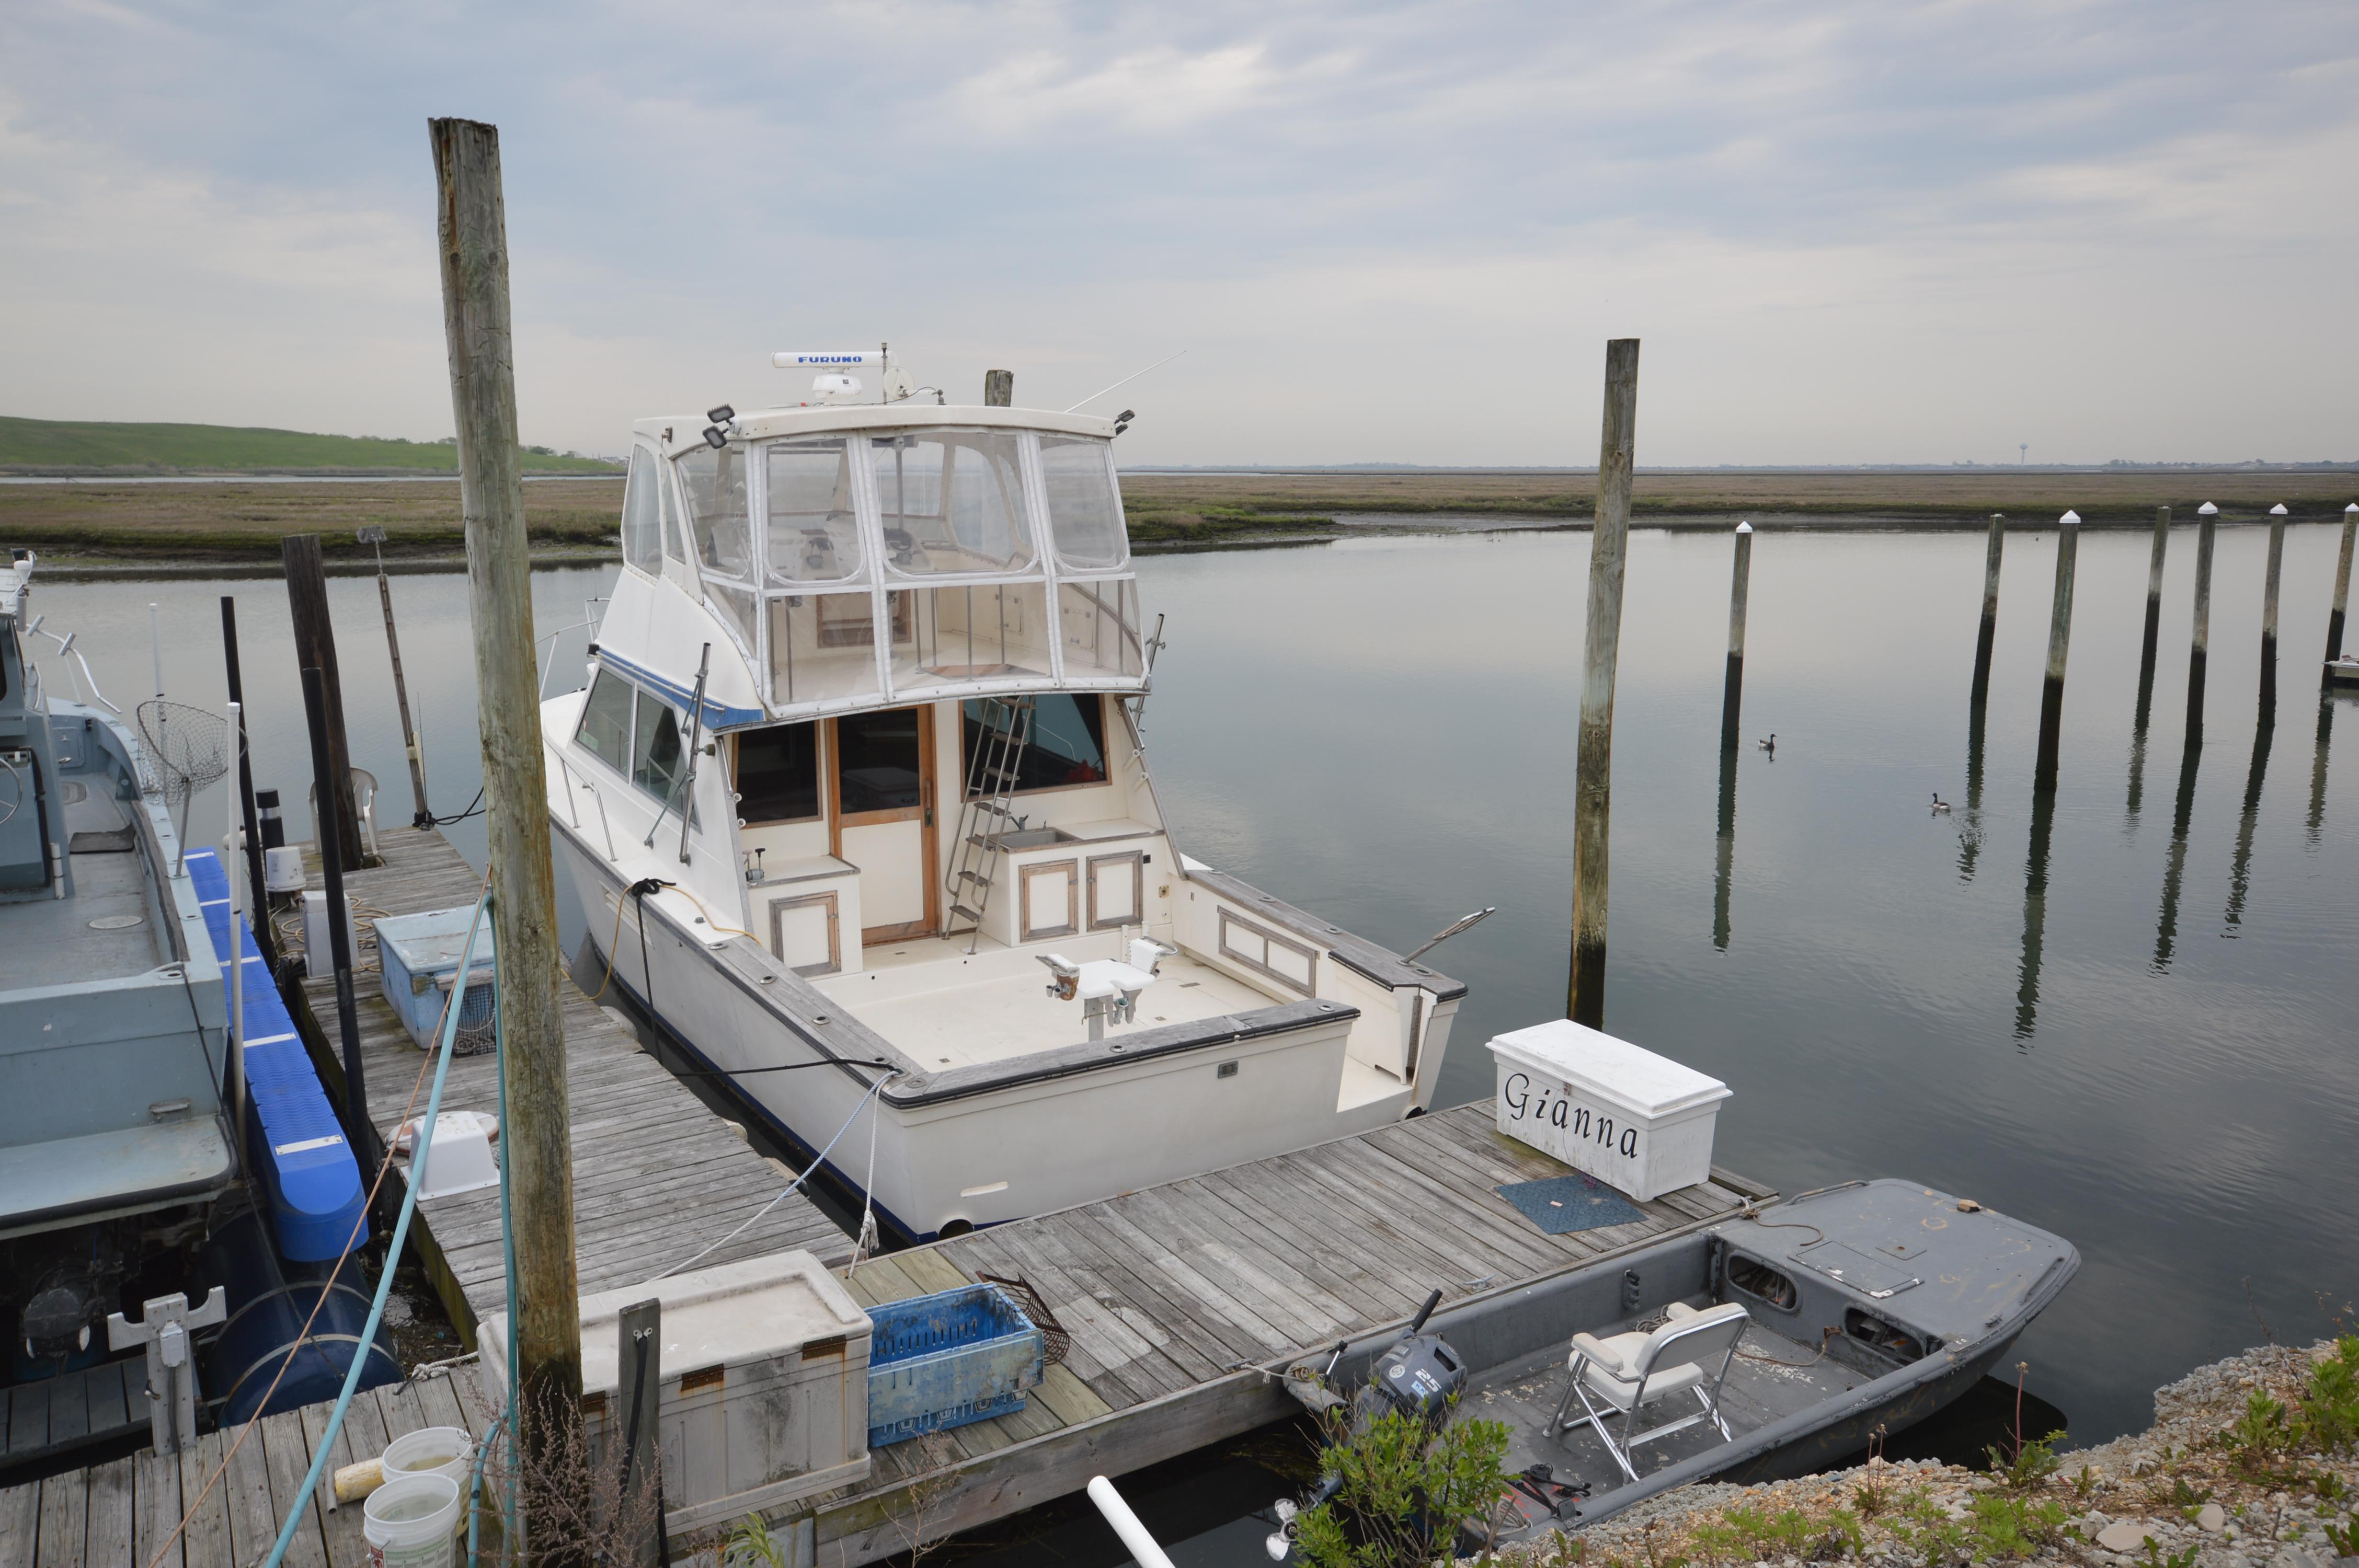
[[1444, 935], [1125, 381]]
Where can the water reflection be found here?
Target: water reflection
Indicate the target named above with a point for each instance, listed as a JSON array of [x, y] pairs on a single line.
[[2317, 772], [2167, 931], [1727, 846], [1969, 831], [2035, 912], [2240, 878]]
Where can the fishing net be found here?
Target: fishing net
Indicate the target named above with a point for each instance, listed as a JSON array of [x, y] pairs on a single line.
[[190, 749]]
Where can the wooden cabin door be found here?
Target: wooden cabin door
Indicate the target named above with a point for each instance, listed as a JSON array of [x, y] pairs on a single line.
[[882, 812]]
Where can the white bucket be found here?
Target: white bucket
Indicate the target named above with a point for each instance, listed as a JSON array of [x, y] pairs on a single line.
[[417, 1453], [410, 1520]]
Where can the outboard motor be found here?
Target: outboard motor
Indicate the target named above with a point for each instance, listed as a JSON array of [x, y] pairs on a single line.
[[1418, 1376]]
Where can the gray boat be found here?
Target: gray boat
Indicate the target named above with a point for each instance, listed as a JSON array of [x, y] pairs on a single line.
[[1778, 1343]]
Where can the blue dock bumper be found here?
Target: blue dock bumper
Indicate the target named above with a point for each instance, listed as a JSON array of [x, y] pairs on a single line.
[[292, 1137]]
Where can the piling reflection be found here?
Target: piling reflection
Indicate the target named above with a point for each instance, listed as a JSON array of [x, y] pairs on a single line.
[[2317, 773], [2138, 725], [2166, 929], [1970, 830], [1727, 847], [2240, 870], [2035, 912]]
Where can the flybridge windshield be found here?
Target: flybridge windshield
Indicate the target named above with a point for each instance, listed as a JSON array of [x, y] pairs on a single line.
[[854, 566]]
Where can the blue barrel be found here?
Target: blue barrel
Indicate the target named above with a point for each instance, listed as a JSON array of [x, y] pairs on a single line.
[[269, 1298]]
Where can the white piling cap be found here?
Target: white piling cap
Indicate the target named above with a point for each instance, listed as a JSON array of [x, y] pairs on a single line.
[[2352, 507], [2207, 510], [2278, 510], [2069, 518], [1748, 527]]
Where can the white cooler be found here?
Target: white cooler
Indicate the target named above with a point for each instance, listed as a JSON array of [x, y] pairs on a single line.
[[1639, 1122], [764, 1397]]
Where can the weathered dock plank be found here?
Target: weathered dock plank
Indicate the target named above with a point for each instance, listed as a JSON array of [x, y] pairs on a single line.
[[657, 1174], [1182, 1299]]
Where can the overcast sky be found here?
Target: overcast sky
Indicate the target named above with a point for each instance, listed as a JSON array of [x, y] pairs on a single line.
[[1392, 232]]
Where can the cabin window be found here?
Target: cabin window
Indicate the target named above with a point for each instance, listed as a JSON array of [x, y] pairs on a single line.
[[657, 758], [976, 631], [642, 543], [812, 537], [605, 731], [715, 484], [822, 646], [1099, 621], [952, 502], [1083, 513], [673, 547], [878, 760], [778, 774], [1068, 739], [1763, 1283]]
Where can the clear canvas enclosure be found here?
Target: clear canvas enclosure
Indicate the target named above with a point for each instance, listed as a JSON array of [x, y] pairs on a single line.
[[980, 631], [882, 565]]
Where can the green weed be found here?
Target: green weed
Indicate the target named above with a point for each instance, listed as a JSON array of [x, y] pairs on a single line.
[[2009, 1527], [2031, 1466]]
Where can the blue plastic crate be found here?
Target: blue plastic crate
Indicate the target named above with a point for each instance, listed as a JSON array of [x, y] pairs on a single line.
[[947, 1359]]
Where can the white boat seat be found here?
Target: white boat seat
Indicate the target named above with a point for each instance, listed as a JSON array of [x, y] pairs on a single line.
[[1691, 1353], [364, 803]]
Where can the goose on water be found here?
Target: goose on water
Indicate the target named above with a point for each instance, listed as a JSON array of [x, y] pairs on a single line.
[[1939, 804], [1770, 744]]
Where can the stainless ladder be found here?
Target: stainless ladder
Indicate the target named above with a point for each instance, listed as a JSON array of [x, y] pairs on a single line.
[[984, 816]]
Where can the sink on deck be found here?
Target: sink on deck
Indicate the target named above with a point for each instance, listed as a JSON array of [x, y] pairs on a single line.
[[1034, 838]]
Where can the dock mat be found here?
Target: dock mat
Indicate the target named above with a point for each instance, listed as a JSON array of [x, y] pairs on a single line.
[[1563, 1203]]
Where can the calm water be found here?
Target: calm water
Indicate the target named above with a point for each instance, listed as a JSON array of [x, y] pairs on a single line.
[[1383, 731]]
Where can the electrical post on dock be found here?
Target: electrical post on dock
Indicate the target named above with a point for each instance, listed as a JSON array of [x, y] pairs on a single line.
[[2059, 645], [1593, 776], [537, 1136], [1732, 699], [1988, 635], [2200, 643], [2268, 714], [373, 535]]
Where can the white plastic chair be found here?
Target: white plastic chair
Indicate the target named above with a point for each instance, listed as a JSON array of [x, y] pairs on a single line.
[[363, 802], [1633, 1369]]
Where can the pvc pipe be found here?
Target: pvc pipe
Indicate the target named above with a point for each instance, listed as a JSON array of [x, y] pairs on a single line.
[[310, 1487], [1142, 1546]]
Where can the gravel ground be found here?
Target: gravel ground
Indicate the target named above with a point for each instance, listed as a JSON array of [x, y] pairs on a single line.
[[2165, 1498]]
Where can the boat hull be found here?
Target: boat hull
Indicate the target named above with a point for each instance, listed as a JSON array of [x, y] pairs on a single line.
[[946, 1162]]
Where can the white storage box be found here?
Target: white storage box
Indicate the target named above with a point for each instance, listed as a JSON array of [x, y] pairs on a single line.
[[1639, 1122], [764, 1390]]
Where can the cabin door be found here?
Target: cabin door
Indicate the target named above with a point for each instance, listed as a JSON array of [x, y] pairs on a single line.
[[881, 809]]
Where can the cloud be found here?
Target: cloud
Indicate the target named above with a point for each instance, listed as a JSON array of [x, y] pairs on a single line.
[[1849, 232]]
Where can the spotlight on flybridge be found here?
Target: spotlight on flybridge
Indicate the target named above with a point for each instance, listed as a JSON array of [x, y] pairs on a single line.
[[721, 415], [1122, 420]]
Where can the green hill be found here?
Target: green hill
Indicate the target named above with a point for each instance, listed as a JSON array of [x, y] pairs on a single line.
[[87, 446]]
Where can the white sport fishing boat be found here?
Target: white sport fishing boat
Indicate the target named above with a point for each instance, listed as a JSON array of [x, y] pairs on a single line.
[[857, 786]]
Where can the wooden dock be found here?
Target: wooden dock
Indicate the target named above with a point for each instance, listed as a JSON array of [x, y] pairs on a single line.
[[1180, 1300], [656, 1173], [119, 1515], [1176, 1297]]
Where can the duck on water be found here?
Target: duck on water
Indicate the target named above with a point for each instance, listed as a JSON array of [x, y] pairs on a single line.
[[857, 785]]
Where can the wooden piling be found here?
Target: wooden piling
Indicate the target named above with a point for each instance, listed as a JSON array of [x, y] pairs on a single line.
[[315, 649], [2268, 714], [1989, 632], [1593, 781], [423, 816], [1732, 698], [2153, 615], [2060, 643], [537, 1138], [2341, 582], [265, 937], [998, 388], [359, 1132], [2199, 646]]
